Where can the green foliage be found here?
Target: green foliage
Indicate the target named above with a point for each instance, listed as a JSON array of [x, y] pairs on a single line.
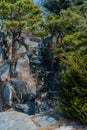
[[20, 14], [66, 17], [41, 33], [4, 9], [78, 2], [17, 15], [55, 6], [66, 23], [81, 9], [74, 88], [74, 43]]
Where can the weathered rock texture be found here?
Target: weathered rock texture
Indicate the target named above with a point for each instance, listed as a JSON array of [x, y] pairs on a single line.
[[22, 67], [15, 121], [4, 70]]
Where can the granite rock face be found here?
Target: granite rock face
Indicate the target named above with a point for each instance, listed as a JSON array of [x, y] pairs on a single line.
[[15, 121], [23, 72], [22, 67], [4, 70]]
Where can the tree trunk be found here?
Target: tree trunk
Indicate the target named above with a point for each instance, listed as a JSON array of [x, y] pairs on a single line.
[[14, 49], [59, 38]]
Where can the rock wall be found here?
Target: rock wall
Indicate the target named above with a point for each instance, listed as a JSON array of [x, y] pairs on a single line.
[[33, 69]]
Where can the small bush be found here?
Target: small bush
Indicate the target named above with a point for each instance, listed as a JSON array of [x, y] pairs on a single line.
[[74, 89]]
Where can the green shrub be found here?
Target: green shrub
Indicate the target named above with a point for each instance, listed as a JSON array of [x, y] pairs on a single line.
[[74, 88]]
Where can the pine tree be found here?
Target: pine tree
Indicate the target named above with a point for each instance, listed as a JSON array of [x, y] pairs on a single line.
[[66, 23], [17, 15]]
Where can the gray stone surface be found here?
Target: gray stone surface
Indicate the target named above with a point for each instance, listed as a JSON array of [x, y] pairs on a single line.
[[4, 70], [46, 120], [22, 67], [3, 55], [15, 121], [24, 73], [26, 108], [7, 93], [65, 128], [71, 126], [21, 87], [1, 52]]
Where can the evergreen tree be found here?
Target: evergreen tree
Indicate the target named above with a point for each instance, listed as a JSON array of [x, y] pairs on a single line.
[[55, 6], [17, 15], [66, 23], [74, 89], [81, 9]]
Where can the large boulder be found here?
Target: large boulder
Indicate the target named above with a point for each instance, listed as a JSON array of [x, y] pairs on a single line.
[[15, 121]]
